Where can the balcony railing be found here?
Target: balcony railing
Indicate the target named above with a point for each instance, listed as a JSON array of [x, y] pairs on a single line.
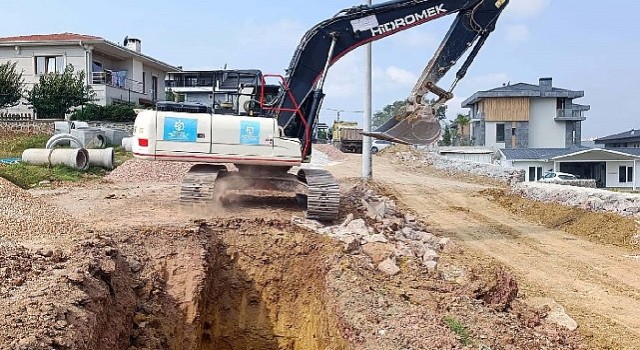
[[189, 83], [569, 114], [112, 79]]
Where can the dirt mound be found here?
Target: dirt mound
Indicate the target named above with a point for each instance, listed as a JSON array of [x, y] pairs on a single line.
[[598, 227], [138, 170], [24, 216], [333, 153]]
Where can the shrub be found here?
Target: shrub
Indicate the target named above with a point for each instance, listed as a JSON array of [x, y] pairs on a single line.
[[111, 113]]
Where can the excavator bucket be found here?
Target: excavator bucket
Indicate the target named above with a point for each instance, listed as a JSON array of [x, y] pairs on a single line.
[[418, 128]]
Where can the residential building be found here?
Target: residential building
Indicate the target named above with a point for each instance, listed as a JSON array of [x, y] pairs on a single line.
[[213, 88], [114, 72], [629, 138], [526, 116], [611, 168]]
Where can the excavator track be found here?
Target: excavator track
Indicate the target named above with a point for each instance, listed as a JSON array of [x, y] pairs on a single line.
[[323, 194], [198, 185]]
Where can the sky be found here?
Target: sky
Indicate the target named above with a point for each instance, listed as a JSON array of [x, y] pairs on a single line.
[[583, 44]]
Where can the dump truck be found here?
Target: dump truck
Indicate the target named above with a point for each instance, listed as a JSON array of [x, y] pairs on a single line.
[[347, 137]]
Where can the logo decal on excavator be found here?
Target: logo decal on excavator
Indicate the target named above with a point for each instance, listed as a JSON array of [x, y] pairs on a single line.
[[249, 133], [499, 3], [412, 19], [180, 129]]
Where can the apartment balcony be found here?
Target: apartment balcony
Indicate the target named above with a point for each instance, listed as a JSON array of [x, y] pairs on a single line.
[[110, 87], [570, 115]]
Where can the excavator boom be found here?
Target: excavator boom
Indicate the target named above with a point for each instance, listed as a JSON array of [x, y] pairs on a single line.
[[330, 40]]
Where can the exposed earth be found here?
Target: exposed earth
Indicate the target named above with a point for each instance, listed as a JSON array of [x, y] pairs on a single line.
[[120, 264]]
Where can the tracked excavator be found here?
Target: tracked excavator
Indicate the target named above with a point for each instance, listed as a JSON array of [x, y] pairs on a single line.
[[265, 129]]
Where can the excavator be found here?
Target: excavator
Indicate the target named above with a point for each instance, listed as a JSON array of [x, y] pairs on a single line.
[[264, 129]]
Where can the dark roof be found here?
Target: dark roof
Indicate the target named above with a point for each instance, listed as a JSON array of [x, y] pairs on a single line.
[[550, 153], [628, 150], [631, 134], [537, 153], [50, 37], [521, 90]]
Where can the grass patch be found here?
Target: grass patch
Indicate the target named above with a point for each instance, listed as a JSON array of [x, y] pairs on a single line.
[[12, 145], [27, 176], [121, 155], [459, 329]]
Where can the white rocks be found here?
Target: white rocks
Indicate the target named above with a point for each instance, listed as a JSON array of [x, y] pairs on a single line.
[[430, 255], [388, 267], [556, 312], [378, 237], [586, 198], [351, 244], [356, 227], [431, 266], [510, 175]]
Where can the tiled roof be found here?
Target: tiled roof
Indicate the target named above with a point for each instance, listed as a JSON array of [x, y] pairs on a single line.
[[621, 136], [49, 37]]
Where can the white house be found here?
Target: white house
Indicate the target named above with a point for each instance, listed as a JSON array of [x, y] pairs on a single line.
[[526, 116], [610, 167], [114, 72]]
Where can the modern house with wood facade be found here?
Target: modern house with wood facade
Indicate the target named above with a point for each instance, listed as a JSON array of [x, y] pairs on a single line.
[[526, 116]]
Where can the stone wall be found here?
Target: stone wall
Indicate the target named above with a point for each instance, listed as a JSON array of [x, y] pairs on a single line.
[[47, 127], [30, 127], [598, 200]]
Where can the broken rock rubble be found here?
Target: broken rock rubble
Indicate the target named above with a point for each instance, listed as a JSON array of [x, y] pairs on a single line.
[[386, 236]]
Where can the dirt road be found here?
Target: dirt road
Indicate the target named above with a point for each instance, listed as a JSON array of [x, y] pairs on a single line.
[[598, 285]]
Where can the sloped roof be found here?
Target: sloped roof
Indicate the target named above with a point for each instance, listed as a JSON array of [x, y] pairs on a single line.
[[69, 38], [50, 37], [537, 153], [521, 90], [621, 136], [558, 153]]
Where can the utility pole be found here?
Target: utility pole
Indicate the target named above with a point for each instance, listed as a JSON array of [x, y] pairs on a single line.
[[367, 170]]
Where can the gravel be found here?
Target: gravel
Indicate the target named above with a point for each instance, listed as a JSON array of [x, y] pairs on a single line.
[[138, 170], [586, 198], [334, 154], [24, 216], [510, 175]]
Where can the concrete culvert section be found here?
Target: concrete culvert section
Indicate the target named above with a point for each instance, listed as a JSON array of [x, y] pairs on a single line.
[[76, 158]]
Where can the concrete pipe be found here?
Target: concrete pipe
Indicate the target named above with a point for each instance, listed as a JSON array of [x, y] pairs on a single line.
[[127, 144], [76, 158], [60, 138], [103, 158]]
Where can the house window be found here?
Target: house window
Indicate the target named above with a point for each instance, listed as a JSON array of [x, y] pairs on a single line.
[[625, 174], [499, 132], [535, 173], [49, 64], [144, 82], [561, 103]]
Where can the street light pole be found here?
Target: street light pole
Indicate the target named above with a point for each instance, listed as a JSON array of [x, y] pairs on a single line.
[[367, 171]]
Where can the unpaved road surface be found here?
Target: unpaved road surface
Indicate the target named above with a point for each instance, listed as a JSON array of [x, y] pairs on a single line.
[[598, 285]]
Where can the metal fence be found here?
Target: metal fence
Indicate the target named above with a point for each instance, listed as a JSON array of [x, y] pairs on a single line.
[[112, 79]]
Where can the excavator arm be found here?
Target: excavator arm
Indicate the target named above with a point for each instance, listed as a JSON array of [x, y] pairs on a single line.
[[331, 39]]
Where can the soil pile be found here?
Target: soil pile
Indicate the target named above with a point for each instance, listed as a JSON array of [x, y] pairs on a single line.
[[599, 227]]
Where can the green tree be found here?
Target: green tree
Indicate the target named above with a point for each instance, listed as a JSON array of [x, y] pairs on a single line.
[[386, 113], [446, 137], [57, 93], [391, 110], [11, 85]]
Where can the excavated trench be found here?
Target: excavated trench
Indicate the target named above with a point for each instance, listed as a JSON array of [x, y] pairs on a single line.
[[238, 284]]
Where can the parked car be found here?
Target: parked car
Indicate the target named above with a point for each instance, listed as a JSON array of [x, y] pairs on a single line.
[[379, 145], [554, 176]]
